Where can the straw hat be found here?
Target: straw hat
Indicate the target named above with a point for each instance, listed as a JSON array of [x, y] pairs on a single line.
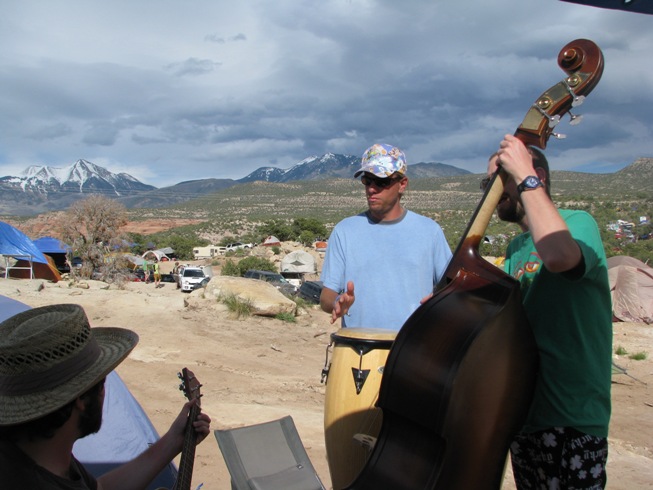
[[50, 355]]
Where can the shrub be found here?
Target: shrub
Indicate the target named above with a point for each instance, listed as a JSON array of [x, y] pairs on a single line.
[[286, 317], [236, 305], [230, 269], [257, 263]]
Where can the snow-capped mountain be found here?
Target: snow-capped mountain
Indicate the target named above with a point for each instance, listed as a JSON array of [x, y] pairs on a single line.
[[329, 165], [82, 177], [332, 165]]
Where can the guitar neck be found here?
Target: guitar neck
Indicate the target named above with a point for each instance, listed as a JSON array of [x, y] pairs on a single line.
[[185, 473]]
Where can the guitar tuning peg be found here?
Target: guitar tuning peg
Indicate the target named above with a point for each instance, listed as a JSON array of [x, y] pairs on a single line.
[[559, 136], [575, 119], [181, 387]]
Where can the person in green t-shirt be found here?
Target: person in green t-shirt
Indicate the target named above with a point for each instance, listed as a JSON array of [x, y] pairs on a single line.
[[560, 263]]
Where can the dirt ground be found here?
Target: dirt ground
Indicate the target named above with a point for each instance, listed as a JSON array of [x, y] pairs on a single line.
[[258, 369]]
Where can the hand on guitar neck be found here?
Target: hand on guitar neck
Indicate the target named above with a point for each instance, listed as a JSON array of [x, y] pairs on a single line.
[[190, 427]]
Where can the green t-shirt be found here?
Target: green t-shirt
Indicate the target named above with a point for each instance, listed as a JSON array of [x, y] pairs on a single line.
[[572, 322]]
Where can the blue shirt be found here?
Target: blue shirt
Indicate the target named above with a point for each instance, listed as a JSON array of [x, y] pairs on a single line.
[[393, 264]]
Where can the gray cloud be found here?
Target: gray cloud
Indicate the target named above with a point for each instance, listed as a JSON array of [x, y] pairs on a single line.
[[221, 88]]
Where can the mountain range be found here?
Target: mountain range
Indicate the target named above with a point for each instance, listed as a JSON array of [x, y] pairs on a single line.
[[42, 188]]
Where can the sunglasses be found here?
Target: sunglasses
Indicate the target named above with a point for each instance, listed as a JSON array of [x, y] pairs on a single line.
[[380, 183]]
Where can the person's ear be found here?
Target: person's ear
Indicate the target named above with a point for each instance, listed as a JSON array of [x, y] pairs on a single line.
[[541, 174]]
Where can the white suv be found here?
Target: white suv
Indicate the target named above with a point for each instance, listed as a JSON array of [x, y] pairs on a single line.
[[232, 247], [190, 277]]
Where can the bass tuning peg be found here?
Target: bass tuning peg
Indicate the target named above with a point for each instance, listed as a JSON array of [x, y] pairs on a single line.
[[559, 136], [575, 119]]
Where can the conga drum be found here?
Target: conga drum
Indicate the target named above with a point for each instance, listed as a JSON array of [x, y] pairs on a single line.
[[351, 420]]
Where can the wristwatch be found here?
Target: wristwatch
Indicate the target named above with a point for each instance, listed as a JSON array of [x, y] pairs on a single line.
[[529, 183]]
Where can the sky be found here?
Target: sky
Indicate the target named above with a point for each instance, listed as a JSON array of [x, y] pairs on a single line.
[[169, 91]]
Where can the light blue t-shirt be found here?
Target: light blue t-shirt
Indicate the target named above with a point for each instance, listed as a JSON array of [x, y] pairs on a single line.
[[393, 266]]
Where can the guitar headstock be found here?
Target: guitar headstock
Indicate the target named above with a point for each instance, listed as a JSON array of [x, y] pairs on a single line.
[[582, 60], [190, 385]]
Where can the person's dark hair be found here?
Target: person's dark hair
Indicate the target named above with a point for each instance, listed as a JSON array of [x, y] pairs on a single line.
[[540, 161], [46, 426]]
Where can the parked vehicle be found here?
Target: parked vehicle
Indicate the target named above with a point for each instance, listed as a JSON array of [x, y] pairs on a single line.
[[232, 247], [190, 277], [310, 291], [274, 278]]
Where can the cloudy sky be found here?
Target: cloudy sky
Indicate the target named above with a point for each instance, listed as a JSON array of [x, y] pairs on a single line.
[[169, 91]]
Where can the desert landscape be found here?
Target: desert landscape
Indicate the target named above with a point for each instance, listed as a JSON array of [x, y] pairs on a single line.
[[257, 369]]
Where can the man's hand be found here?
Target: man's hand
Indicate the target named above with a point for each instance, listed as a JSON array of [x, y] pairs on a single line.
[[343, 302], [202, 424]]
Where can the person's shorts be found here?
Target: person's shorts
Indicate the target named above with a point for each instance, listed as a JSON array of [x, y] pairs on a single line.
[[157, 277]]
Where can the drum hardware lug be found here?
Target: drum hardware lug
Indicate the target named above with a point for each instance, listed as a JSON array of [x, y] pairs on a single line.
[[327, 365], [325, 374], [360, 376]]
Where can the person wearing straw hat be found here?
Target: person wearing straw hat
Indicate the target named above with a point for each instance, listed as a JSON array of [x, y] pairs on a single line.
[[393, 256], [52, 371]]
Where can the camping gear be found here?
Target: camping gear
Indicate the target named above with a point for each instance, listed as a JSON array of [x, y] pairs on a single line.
[[459, 377], [30, 263], [56, 249], [631, 286], [352, 388], [267, 456]]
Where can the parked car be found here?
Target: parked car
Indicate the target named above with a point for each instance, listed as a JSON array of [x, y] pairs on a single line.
[[310, 291], [274, 278], [232, 247], [190, 277]]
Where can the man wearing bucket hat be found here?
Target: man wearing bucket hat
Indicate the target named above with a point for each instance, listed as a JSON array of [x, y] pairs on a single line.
[[52, 371], [390, 256]]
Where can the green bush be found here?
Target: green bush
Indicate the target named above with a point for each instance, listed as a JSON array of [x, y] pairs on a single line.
[[286, 317], [256, 263], [237, 306], [230, 269]]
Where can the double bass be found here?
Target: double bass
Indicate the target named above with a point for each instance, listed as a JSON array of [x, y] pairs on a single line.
[[459, 377]]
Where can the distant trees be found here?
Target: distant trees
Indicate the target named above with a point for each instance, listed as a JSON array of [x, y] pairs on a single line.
[[92, 226], [304, 230]]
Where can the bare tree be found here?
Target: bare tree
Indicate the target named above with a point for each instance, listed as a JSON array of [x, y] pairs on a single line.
[[91, 226]]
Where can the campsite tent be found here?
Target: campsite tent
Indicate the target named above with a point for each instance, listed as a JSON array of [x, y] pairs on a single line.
[[298, 261], [126, 430], [271, 241], [55, 249], [159, 254], [631, 286], [29, 260], [296, 264]]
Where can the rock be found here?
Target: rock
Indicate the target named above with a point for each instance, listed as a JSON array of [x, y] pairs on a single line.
[[266, 300]]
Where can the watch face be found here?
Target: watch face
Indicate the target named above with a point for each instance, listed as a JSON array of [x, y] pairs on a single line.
[[532, 182]]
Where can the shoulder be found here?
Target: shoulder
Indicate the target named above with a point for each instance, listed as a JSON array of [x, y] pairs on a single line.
[[350, 222], [413, 218]]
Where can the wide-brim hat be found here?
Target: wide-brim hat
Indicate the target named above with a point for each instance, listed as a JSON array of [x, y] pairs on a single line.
[[383, 161], [50, 355]]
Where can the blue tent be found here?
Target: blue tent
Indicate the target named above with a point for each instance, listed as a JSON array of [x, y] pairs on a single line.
[[56, 249], [15, 243], [50, 245], [30, 261]]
